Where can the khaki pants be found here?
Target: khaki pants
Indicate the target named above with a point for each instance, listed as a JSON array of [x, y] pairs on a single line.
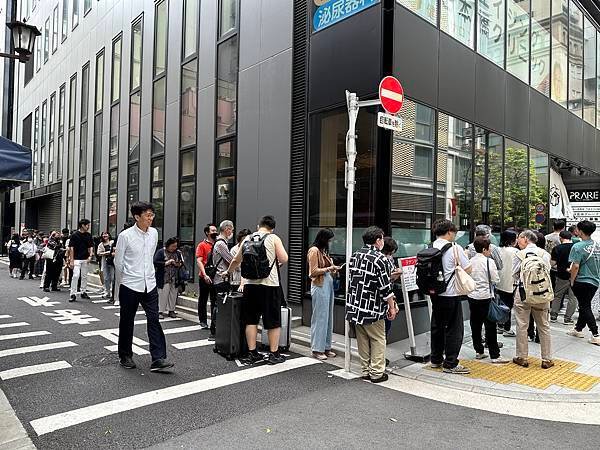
[[371, 348], [167, 298], [540, 316]]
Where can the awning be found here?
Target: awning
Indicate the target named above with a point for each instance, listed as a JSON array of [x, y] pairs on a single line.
[[15, 163]]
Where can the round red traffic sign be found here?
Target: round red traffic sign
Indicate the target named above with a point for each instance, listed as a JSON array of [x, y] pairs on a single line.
[[391, 94]]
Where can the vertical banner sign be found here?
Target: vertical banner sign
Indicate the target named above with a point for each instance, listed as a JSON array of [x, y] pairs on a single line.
[[409, 273], [330, 12]]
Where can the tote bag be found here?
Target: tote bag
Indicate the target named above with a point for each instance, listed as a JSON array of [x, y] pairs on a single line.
[[463, 282]]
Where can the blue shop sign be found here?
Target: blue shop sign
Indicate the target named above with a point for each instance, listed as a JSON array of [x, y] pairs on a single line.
[[335, 11]]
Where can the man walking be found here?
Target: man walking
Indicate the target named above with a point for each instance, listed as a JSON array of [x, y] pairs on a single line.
[[560, 260], [81, 249], [206, 288], [134, 260], [585, 279], [369, 302], [553, 240]]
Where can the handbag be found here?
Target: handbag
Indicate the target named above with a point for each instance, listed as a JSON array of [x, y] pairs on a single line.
[[462, 280], [183, 275], [48, 253], [498, 312]]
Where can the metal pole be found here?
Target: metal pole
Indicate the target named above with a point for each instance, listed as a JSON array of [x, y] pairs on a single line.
[[352, 102]]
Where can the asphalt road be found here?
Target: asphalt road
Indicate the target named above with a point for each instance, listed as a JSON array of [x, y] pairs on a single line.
[[208, 402]]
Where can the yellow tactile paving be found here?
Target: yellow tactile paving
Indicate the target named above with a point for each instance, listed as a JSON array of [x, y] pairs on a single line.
[[562, 374]]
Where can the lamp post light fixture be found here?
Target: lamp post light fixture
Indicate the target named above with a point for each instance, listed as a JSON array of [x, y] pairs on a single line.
[[23, 40]]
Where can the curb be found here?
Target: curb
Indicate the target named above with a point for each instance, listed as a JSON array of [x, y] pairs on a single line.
[[14, 436]]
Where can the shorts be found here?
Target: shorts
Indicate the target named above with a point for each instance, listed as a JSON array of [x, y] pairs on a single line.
[[262, 301]]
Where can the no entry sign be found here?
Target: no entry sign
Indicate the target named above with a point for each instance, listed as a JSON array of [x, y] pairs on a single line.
[[391, 94]]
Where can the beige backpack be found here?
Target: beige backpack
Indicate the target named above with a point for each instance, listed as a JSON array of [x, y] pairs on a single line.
[[535, 286]]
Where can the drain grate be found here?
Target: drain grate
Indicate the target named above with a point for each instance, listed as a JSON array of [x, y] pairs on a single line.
[[97, 360]]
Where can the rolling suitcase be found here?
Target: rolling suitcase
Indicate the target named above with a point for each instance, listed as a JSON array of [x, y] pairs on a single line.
[[230, 336], [286, 331]]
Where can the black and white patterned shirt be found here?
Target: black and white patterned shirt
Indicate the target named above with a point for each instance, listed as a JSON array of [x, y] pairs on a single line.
[[369, 286]]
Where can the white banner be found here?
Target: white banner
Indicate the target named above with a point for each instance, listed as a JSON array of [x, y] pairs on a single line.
[[560, 206]]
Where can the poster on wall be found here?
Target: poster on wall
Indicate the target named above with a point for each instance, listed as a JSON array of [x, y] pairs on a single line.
[[585, 204], [330, 12]]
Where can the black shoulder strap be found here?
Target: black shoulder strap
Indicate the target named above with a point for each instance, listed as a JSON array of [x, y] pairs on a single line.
[[446, 247]]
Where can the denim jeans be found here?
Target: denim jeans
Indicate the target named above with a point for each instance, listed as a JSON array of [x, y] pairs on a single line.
[[109, 277], [447, 330], [321, 324]]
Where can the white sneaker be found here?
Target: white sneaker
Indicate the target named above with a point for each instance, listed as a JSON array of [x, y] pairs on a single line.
[[500, 360], [575, 333], [509, 333], [481, 356], [595, 340]]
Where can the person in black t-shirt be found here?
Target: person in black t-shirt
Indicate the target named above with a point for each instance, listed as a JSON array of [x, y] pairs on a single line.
[[81, 249], [560, 257]]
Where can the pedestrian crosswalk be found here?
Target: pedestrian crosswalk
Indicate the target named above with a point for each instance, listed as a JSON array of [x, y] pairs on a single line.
[[6, 337], [35, 369], [36, 348], [13, 325]]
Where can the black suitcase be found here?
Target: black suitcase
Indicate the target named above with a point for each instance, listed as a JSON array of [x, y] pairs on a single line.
[[230, 336]]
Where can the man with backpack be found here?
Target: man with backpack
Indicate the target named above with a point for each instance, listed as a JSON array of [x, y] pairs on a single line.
[[262, 254], [585, 279], [531, 271], [206, 288], [436, 277]]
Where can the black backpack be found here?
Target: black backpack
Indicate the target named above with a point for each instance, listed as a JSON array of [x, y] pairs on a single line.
[[430, 270], [210, 268], [255, 262]]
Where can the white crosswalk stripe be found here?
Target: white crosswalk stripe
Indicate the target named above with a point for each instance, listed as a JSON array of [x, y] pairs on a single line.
[[5, 316], [36, 348], [182, 329], [13, 325], [35, 369], [193, 344], [7, 337], [111, 307]]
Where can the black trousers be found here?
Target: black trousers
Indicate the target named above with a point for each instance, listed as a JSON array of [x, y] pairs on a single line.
[[585, 293], [130, 300], [479, 311], [53, 270], [447, 330], [28, 264], [508, 298], [207, 291]]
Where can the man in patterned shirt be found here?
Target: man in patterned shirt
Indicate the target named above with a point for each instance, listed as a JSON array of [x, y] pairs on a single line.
[[370, 300]]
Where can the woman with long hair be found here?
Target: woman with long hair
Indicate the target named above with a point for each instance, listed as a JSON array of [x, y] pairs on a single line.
[[106, 250], [321, 270], [14, 257]]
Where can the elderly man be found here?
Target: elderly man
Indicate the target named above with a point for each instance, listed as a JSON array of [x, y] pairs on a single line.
[[486, 231], [370, 300], [528, 248]]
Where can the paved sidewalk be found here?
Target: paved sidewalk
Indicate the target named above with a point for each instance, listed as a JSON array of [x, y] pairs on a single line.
[[12, 434]]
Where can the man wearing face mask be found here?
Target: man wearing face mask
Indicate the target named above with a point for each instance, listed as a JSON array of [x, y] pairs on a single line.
[[28, 250], [206, 288], [222, 257], [370, 300]]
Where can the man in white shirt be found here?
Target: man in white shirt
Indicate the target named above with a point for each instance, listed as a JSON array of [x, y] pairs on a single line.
[[134, 256], [447, 327]]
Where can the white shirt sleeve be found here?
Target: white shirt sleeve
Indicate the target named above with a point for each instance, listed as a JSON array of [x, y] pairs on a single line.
[[120, 252]]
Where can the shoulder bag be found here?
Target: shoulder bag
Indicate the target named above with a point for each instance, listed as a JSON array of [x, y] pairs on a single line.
[[462, 280], [498, 312]]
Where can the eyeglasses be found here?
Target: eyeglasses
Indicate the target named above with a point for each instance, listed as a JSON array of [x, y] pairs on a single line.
[[149, 215]]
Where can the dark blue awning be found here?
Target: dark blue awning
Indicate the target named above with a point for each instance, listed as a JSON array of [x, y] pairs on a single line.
[[15, 163]]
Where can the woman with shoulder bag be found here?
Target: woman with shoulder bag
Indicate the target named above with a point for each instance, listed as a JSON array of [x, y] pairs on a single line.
[[167, 262], [505, 287], [106, 252], [53, 255], [321, 270]]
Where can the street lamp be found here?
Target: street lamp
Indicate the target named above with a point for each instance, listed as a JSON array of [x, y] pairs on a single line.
[[23, 38]]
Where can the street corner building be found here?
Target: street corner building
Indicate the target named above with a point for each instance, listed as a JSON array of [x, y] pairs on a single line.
[[231, 109]]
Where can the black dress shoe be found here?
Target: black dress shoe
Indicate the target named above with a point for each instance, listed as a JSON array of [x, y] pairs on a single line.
[[46, 290], [56, 290], [381, 379], [127, 362], [160, 365], [85, 295]]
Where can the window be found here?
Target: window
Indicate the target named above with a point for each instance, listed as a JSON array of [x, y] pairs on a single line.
[[43, 151], [540, 46], [72, 103], [55, 29], [458, 20], [575, 59], [113, 155], [190, 28], [81, 211], [135, 99], [517, 39], [134, 126], [227, 74], [490, 35], [113, 177], [189, 98], [87, 6], [423, 162], [159, 101], [65, 19], [560, 26], [75, 14], [136, 54], [158, 116], [227, 16], [61, 132], [538, 187], [83, 134], [225, 155], [46, 39], [116, 70], [99, 81], [598, 80], [38, 55], [488, 177], [160, 38], [589, 72], [98, 130], [158, 193], [96, 205], [51, 136], [28, 73], [424, 8], [516, 209], [69, 212]]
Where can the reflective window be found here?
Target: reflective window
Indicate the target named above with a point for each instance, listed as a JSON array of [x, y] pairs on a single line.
[[227, 16], [83, 146], [225, 156], [187, 211], [227, 72], [55, 29], [187, 164], [113, 144], [81, 209], [189, 100], [540, 46], [98, 127], [75, 13], [516, 207], [85, 91], [113, 179], [87, 6], [158, 116], [36, 128], [160, 38], [132, 175], [598, 79], [517, 39], [44, 117], [46, 39], [65, 18], [116, 70], [134, 126], [99, 82], [490, 36], [560, 50], [538, 188], [72, 101], [157, 194], [225, 198], [575, 59], [487, 201], [589, 72], [457, 18], [96, 206], [424, 8], [190, 28], [136, 54]]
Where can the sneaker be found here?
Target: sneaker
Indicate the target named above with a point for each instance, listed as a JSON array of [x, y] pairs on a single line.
[[381, 379], [575, 333], [320, 356], [553, 318], [172, 314], [330, 354], [72, 298], [547, 363], [521, 362], [509, 333], [595, 340], [253, 357], [481, 356], [203, 326], [500, 360], [211, 338], [499, 330], [85, 295], [458, 370], [569, 321], [160, 365], [161, 316], [127, 362], [366, 377], [275, 358], [435, 365], [111, 301]]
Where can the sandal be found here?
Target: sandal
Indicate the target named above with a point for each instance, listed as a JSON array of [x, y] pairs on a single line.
[[319, 356]]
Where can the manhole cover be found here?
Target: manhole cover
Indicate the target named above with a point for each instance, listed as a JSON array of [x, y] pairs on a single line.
[[99, 360]]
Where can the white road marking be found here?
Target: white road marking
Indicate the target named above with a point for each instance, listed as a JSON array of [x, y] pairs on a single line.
[[182, 329], [193, 344], [36, 301], [6, 337], [71, 316], [67, 419], [31, 370], [5, 316], [138, 313], [13, 325], [111, 307], [36, 348], [113, 336]]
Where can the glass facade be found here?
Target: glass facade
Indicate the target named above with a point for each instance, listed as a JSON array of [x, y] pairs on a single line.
[[490, 35], [517, 39], [427, 9], [589, 72], [135, 100], [560, 51], [540, 46], [575, 59], [457, 18]]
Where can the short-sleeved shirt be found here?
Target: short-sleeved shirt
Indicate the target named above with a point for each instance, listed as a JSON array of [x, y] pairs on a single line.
[[449, 263], [203, 250], [273, 278], [560, 254], [589, 263], [81, 244], [552, 241]]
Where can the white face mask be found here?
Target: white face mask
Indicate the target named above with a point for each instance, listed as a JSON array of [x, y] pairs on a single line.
[[29, 239]]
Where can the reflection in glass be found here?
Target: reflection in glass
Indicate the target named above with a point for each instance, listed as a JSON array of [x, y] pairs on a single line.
[[560, 26], [160, 38], [158, 170], [540, 46], [490, 36], [157, 197], [113, 144], [487, 201], [136, 56], [158, 116], [189, 101], [186, 211], [187, 164], [225, 199], [227, 73], [457, 18], [516, 210], [98, 127], [112, 213], [85, 91], [190, 35], [116, 70], [538, 188], [224, 155], [227, 16], [99, 82], [83, 144], [575, 58], [132, 176], [134, 126], [424, 8], [517, 39], [589, 72]]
